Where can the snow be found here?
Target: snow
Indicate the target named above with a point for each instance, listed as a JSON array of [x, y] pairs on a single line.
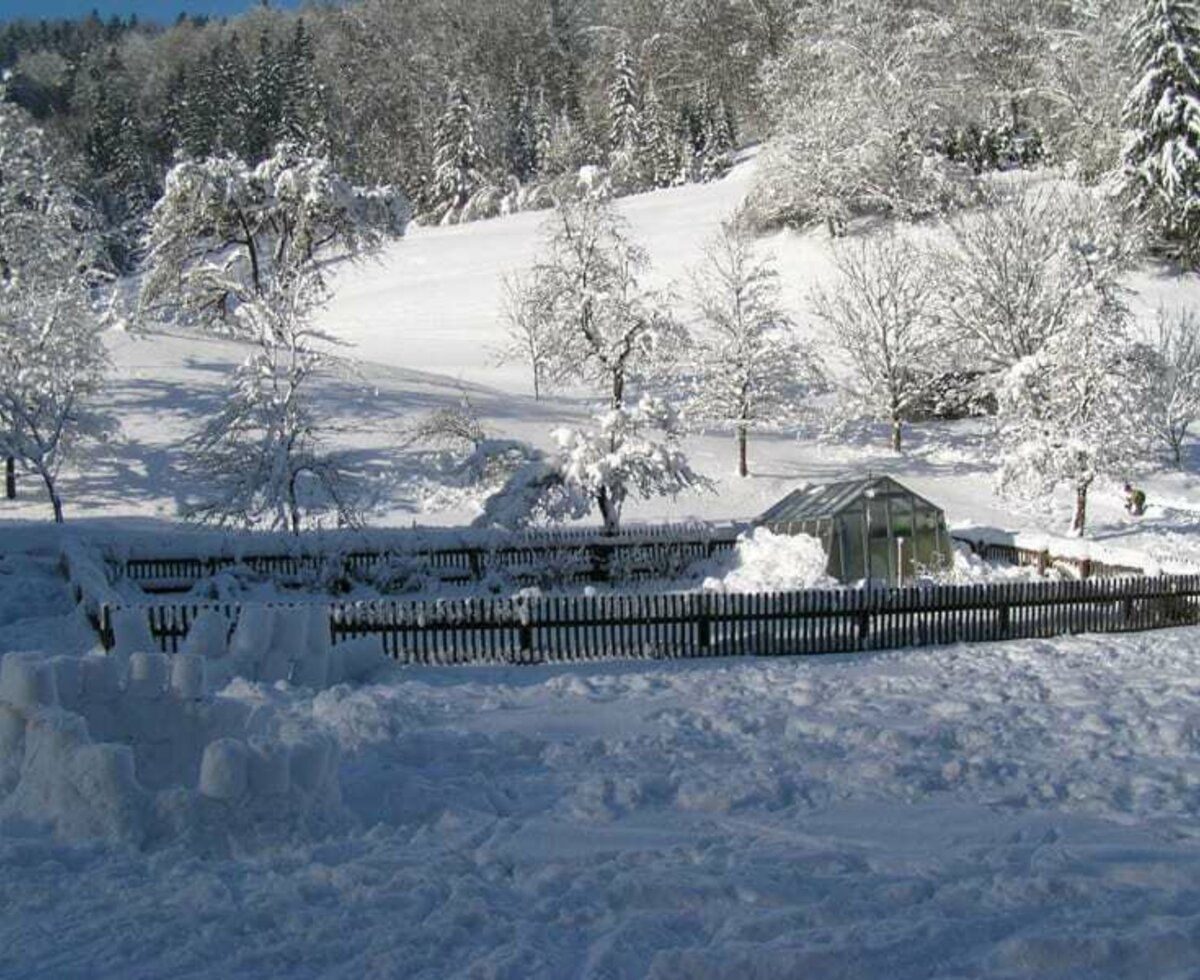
[[1012, 810], [767, 562], [268, 804]]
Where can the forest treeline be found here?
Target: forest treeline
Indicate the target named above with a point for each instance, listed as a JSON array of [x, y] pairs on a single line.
[[476, 107]]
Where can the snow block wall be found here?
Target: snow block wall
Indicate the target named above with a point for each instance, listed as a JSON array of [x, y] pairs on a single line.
[[267, 643], [136, 748]]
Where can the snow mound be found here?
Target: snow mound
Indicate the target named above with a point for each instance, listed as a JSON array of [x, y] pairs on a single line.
[[766, 562], [136, 749]]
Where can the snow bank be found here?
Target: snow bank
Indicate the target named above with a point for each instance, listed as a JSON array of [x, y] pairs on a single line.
[[766, 562]]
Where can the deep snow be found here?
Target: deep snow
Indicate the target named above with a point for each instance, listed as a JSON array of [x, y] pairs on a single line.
[[1014, 810]]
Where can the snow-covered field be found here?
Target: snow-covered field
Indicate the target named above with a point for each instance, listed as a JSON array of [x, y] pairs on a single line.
[[1015, 810]]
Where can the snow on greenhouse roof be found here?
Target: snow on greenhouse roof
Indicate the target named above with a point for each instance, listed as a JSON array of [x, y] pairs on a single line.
[[824, 501]]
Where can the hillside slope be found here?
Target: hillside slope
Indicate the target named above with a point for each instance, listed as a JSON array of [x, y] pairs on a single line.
[[423, 327]]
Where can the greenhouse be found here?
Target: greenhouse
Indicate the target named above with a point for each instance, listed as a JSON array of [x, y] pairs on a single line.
[[874, 528]]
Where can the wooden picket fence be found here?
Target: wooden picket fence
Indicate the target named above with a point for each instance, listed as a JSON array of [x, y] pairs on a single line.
[[1044, 561], [560, 629], [566, 555]]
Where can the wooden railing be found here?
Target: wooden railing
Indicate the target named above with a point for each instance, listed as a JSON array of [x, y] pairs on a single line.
[[571, 628], [1044, 561], [564, 556]]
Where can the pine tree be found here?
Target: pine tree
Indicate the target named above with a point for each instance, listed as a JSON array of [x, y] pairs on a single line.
[[659, 152], [1162, 151], [543, 131], [458, 159], [264, 123], [522, 136], [303, 110], [625, 137]]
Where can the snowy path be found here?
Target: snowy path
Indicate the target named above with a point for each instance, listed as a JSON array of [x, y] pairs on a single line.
[[1025, 809]]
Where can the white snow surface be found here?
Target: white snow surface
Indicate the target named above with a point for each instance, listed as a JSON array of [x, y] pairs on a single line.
[[1010, 810]]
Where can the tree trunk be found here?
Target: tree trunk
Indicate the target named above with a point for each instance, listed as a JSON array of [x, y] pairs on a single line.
[[608, 511], [55, 499], [10, 477], [896, 423], [1080, 520], [743, 469], [618, 390]]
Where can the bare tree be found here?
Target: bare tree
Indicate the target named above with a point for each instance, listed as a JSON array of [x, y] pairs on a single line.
[[1172, 380], [748, 363], [880, 314], [261, 456], [598, 320], [1011, 278], [530, 333]]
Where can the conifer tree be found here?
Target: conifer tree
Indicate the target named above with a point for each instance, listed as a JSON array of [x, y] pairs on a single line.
[[625, 135], [458, 159], [1162, 115]]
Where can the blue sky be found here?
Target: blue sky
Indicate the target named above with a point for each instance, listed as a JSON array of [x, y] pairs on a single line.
[[164, 11]]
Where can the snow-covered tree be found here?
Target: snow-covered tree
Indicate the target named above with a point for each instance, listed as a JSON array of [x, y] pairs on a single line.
[[1073, 412], [851, 101], [52, 367], [458, 158], [52, 357], [224, 232], [625, 136], [1014, 274], [1170, 381], [749, 364], [260, 458], [1162, 116], [531, 336], [601, 323], [632, 451], [661, 163], [881, 317]]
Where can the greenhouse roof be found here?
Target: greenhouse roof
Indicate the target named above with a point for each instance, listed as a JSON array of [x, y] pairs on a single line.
[[824, 501]]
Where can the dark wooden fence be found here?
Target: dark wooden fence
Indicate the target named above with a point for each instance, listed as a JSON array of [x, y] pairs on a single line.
[[564, 556], [573, 628]]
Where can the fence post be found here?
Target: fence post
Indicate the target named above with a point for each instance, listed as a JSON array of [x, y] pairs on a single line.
[[525, 630], [107, 640], [704, 624], [1085, 569], [1043, 562]]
